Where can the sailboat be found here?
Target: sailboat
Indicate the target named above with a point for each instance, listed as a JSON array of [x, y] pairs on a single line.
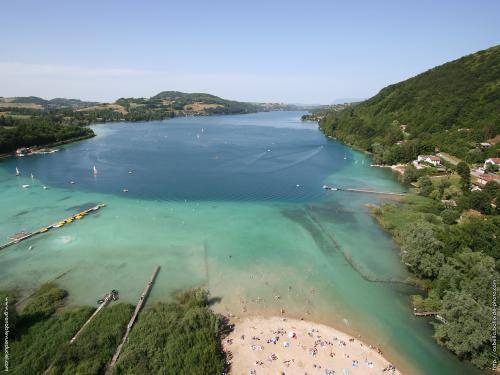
[[17, 172], [95, 170]]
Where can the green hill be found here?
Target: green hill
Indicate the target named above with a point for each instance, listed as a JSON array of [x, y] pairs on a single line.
[[451, 107], [35, 102]]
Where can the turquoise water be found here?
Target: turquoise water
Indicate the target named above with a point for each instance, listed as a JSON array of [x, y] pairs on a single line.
[[231, 203]]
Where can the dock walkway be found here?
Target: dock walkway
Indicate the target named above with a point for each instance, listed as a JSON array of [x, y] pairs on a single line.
[[21, 236], [138, 308], [107, 298], [333, 188]]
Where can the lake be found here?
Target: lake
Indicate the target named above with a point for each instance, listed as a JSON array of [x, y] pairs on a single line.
[[234, 204]]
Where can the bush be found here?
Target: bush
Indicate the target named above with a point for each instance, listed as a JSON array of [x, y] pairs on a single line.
[[175, 338]]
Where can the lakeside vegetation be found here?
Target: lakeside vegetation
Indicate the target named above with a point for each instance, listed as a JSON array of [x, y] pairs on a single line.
[[181, 337], [456, 256], [33, 131], [447, 232]]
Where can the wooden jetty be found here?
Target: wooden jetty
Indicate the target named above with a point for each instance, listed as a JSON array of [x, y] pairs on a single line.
[[425, 313], [138, 308], [333, 188], [21, 236], [107, 298]]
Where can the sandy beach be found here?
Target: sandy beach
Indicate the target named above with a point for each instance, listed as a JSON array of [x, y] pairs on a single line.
[[288, 346]]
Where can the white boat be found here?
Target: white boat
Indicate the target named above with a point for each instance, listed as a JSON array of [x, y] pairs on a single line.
[[45, 188], [17, 172], [32, 177], [95, 170], [25, 186], [345, 157]]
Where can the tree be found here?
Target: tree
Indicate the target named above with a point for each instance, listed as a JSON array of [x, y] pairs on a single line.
[[426, 186], [491, 168], [410, 174], [466, 330], [463, 171], [476, 234], [421, 251], [480, 201], [470, 272], [491, 189], [450, 216]]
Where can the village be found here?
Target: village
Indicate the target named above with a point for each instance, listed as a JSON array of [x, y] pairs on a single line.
[[442, 164]]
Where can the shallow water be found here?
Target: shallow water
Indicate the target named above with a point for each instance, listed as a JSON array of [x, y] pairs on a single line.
[[231, 203]]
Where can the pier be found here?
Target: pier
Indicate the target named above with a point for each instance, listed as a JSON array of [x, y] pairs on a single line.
[[130, 324], [333, 188], [107, 298], [426, 313], [21, 236]]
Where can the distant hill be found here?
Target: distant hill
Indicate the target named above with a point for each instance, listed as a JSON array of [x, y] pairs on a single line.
[[36, 102], [450, 107], [28, 121]]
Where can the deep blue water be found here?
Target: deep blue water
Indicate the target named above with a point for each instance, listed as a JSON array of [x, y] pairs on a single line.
[[263, 156]]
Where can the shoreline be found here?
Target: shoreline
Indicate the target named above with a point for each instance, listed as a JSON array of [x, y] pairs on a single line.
[[265, 345], [51, 145]]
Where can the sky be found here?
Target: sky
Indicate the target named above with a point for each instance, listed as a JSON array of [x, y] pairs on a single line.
[[281, 51]]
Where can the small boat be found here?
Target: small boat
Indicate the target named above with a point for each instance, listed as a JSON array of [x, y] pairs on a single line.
[[45, 187], [130, 171], [72, 182], [17, 172], [345, 157], [328, 187], [125, 190], [30, 247], [95, 170], [32, 177], [25, 186]]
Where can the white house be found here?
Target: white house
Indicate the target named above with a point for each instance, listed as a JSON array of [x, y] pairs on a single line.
[[431, 159], [492, 161]]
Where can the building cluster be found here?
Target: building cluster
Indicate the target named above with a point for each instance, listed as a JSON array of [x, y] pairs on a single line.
[[483, 176], [426, 160]]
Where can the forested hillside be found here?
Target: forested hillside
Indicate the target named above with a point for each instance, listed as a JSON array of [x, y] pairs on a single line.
[[451, 107]]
